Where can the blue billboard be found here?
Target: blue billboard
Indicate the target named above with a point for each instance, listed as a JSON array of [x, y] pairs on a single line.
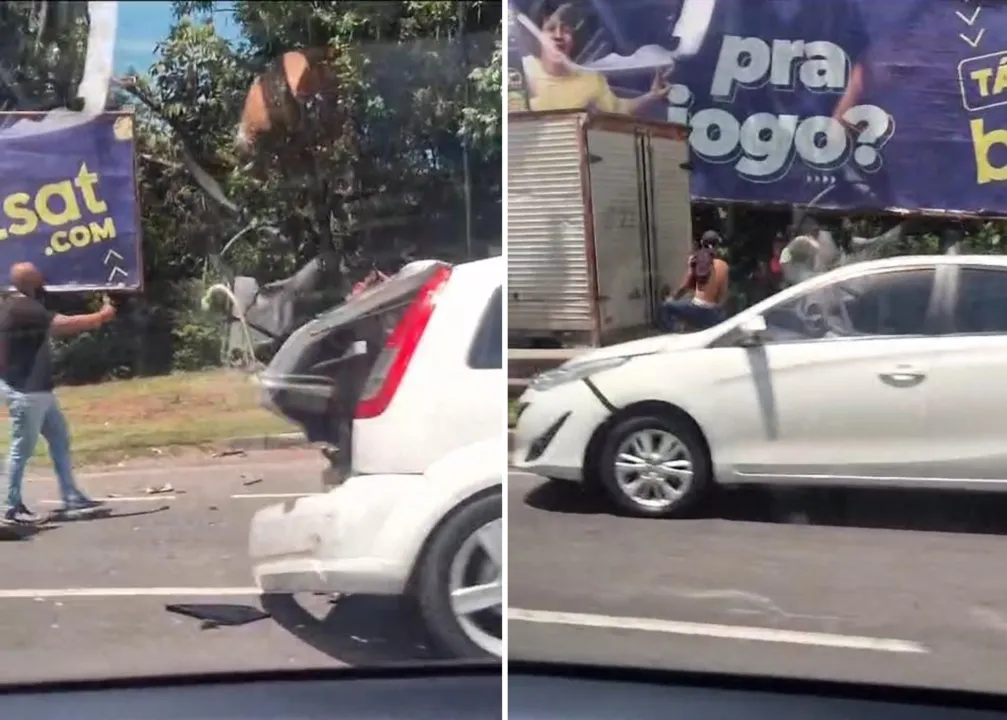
[[68, 200], [857, 104]]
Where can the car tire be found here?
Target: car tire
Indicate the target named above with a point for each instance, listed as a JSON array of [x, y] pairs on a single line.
[[447, 635], [693, 450]]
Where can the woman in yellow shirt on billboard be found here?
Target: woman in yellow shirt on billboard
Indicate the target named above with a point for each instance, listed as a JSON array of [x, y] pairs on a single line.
[[555, 83]]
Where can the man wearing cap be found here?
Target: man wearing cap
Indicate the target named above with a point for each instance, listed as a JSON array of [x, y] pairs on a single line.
[[706, 277]]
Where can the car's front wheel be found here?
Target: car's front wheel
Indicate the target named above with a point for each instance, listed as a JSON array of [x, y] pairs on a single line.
[[459, 581], [654, 465]]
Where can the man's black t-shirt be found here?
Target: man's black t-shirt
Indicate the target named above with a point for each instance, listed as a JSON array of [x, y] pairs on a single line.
[[25, 358]]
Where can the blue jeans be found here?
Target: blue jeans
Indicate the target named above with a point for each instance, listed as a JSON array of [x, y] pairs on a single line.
[[697, 317], [31, 415]]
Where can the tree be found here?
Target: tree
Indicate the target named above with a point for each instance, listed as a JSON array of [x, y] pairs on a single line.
[[374, 170], [377, 162], [42, 46]]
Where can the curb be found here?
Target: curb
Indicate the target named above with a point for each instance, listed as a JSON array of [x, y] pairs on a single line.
[[266, 442], [293, 440]]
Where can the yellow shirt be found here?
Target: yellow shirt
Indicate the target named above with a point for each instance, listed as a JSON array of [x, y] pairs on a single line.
[[579, 90]]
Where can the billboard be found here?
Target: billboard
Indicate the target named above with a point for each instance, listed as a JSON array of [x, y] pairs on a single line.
[[898, 105], [68, 199]]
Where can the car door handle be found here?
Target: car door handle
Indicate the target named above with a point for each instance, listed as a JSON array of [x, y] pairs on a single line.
[[903, 376]]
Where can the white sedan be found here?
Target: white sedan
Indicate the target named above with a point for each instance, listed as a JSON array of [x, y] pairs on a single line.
[[886, 373]]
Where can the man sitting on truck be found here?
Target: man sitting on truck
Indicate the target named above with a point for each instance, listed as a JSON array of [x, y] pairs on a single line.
[[706, 277]]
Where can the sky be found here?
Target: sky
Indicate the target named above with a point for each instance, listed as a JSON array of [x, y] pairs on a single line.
[[142, 24]]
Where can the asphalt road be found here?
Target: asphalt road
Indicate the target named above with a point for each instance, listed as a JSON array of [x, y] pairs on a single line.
[[878, 587], [88, 598]]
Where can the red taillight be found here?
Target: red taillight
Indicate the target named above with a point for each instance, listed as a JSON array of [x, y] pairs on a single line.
[[390, 367]]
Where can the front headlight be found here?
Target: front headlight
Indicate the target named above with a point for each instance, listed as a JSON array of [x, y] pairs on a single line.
[[569, 372]]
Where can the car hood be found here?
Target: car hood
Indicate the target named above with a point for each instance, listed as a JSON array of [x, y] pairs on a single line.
[[645, 346]]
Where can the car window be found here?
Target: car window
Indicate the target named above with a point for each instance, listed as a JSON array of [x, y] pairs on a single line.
[[880, 304], [981, 302], [486, 352]]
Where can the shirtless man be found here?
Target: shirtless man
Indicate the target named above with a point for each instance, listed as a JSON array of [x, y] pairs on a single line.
[[706, 277]]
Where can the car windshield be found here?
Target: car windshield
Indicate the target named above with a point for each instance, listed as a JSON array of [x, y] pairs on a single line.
[[251, 337], [880, 303], [221, 173]]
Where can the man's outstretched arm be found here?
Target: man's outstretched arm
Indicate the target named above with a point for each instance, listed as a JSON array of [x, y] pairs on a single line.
[[68, 325]]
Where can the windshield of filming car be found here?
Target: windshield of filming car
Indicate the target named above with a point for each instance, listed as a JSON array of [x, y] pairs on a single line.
[[183, 186]]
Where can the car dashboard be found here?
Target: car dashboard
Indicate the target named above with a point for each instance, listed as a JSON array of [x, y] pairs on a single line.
[[604, 694], [423, 693], [462, 691]]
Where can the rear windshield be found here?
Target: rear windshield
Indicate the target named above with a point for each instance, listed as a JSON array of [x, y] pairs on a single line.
[[321, 338], [390, 298]]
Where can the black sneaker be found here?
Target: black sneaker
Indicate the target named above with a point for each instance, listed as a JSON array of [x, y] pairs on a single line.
[[20, 514]]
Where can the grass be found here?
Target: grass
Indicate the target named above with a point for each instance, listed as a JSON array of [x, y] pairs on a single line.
[[127, 418]]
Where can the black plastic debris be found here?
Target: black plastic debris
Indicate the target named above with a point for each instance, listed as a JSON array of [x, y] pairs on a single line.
[[215, 615], [97, 513], [14, 532]]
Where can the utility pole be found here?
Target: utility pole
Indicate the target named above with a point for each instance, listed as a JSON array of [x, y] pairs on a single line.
[[466, 169]]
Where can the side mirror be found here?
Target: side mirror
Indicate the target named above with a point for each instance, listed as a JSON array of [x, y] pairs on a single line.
[[753, 330]]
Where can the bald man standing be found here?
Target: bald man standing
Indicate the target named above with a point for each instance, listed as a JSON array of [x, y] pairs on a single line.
[[26, 382]]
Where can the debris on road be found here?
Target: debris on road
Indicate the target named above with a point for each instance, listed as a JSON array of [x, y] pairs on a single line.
[[251, 481], [235, 452], [215, 615], [60, 515], [160, 489], [14, 531]]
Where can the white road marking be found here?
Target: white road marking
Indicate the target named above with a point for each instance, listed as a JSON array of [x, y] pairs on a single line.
[[253, 496], [154, 497], [121, 499], [725, 632], [215, 465], [52, 593]]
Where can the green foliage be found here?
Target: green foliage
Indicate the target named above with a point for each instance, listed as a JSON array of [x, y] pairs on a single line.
[[750, 232], [197, 343], [373, 169], [375, 166], [41, 68]]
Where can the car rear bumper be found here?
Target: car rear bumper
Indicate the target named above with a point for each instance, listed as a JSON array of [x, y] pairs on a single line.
[[340, 541]]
